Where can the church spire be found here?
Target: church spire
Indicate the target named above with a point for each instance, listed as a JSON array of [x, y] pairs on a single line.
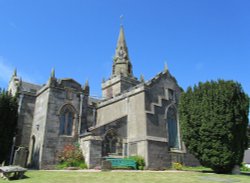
[[122, 64], [14, 73], [52, 74], [121, 42]]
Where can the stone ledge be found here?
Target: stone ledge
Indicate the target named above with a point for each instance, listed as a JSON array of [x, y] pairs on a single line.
[[90, 137]]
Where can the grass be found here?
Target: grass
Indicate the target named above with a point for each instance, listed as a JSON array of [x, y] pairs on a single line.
[[197, 168], [127, 177]]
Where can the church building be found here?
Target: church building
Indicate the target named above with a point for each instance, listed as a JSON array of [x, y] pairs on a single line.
[[134, 117]]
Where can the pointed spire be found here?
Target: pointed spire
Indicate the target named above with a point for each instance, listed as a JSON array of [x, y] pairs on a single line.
[[103, 79], [121, 43], [86, 83], [86, 88], [15, 73], [142, 78], [21, 81], [52, 75], [165, 67], [52, 78]]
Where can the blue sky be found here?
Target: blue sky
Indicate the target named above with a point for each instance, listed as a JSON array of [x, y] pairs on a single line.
[[199, 39]]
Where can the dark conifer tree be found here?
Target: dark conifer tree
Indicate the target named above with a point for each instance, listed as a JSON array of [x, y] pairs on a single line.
[[214, 120], [8, 123]]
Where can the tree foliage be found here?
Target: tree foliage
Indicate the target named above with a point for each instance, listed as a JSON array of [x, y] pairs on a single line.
[[8, 123], [214, 119]]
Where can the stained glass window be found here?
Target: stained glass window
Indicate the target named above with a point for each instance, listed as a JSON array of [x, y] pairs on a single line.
[[66, 122], [172, 128]]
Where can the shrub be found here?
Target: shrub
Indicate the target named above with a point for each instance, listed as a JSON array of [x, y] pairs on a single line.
[[71, 156], [244, 168], [62, 165], [140, 163], [177, 166]]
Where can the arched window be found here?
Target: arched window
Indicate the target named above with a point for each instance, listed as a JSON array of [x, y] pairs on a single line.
[[112, 144], [66, 121], [172, 125]]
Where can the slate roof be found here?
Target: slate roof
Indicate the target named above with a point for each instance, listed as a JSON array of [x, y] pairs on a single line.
[[29, 87]]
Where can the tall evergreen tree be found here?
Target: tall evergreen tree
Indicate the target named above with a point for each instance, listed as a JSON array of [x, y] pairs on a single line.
[[8, 123], [214, 119]]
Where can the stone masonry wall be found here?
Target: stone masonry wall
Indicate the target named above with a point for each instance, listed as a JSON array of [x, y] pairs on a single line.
[[38, 129], [53, 141], [25, 119], [158, 157]]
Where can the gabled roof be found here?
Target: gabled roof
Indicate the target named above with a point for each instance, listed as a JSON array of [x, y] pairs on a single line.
[[30, 87], [158, 76], [70, 83]]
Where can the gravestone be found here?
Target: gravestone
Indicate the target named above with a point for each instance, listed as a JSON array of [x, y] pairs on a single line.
[[106, 165], [236, 170], [20, 157]]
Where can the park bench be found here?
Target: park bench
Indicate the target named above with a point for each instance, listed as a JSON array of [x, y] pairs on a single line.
[[122, 163], [16, 172]]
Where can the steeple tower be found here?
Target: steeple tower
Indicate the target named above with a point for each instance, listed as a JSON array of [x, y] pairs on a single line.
[[122, 76], [121, 63]]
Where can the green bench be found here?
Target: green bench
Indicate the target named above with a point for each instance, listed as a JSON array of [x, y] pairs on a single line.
[[120, 163]]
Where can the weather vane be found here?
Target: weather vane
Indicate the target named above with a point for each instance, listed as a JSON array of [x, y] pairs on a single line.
[[121, 19]]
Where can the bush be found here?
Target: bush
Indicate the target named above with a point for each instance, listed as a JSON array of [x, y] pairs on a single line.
[[214, 119], [140, 163], [177, 166], [71, 156], [244, 168], [62, 165]]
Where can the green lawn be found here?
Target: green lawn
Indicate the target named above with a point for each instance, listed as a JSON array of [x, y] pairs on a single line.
[[128, 177]]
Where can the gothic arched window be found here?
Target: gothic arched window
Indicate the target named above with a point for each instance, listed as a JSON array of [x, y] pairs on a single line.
[[112, 144], [173, 137], [66, 121]]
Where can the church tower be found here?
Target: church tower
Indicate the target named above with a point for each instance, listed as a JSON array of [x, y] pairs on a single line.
[[122, 75]]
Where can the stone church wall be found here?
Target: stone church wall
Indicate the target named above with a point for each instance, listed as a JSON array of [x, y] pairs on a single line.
[[157, 123], [136, 117], [158, 156], [92, 150], [38, 128], [111, 112], [158, 87], [25, 119], [157, 103], [53, 142], [119, 125]]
